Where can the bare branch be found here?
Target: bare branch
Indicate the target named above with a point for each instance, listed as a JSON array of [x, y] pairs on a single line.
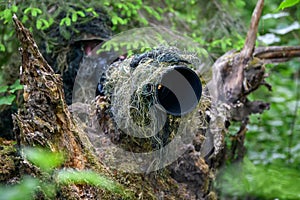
[[234, 85], [276, 54], [249, 45]]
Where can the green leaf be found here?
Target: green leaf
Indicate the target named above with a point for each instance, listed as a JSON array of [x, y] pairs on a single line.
[[121, 21], [106, 3], [2, 47], [287, 3], [114, 20], [46, 24], [44, 159], [11, 33], [3, 88], [7, 15], [27, 10], [36, 11], [33, 13], [89, 177], [89, 9], [95, 14], [74, 17], [25, 18], [81, 13], [239, 3], [14, 8], [68, 21], [39, 11], [152, 12], [16, 86], [62, 21], [39, 24], [144, 21], [7, 100], [50, 21]]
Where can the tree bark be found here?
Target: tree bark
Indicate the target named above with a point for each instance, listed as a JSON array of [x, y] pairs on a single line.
[[46, 121]]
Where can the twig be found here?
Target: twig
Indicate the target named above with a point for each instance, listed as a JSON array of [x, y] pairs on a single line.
[[275, 54], [249, 45], [233, 84]]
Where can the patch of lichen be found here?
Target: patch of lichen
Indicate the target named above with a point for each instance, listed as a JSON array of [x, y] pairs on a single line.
[[8, 160]]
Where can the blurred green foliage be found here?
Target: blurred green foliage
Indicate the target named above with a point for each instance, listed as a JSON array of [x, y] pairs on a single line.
[[52, 178], [43, 159], [260, 181], [273, 136], [271, 169], [22, 191], [8, 93], [288, 3], [88, 177]]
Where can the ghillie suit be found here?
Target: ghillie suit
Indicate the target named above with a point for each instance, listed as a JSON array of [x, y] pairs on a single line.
[[63, 48], [69, 46], [135, 134]]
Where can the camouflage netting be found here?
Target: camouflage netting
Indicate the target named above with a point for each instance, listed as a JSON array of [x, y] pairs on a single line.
[[139, 123], [132, 134]]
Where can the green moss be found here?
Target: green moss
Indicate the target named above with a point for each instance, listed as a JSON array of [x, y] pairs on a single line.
[[8, 159]]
